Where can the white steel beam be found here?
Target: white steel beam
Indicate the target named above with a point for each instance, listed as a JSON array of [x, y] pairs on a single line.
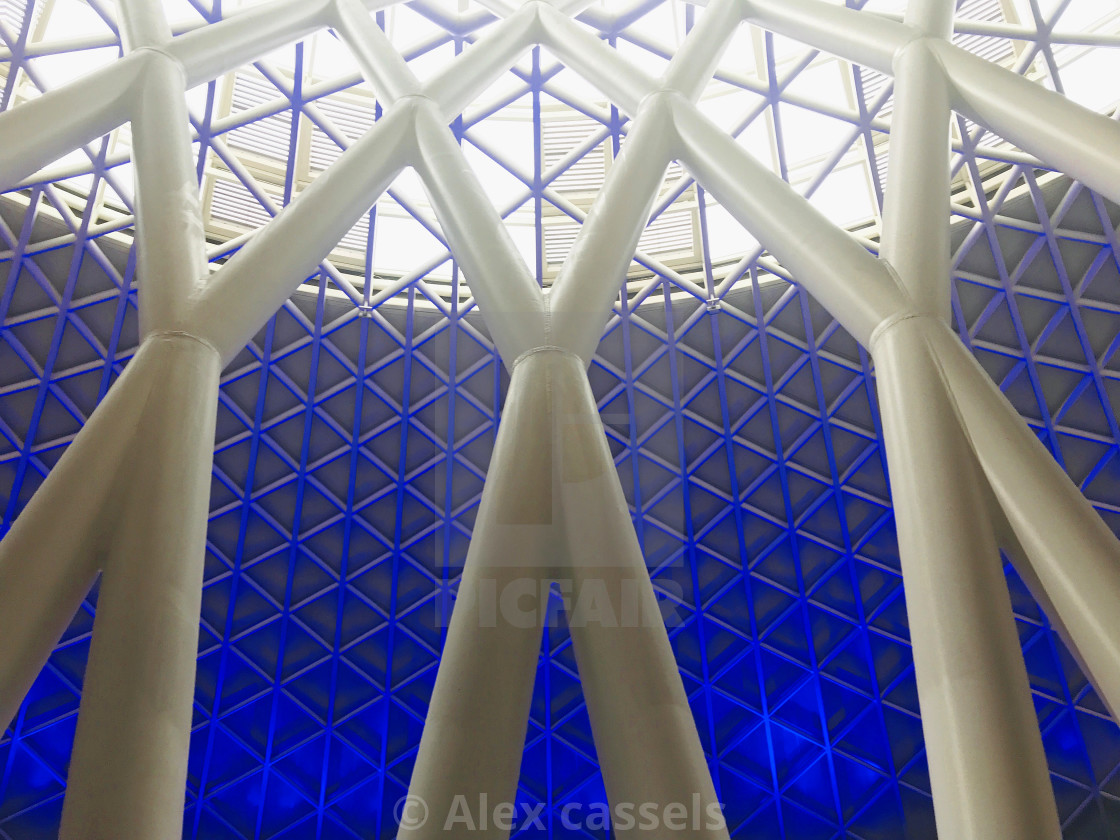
[[619, 80], [219, 48], [915, 239], [1068, 550], [645, 734], [583, 293], [856, 288], [381, 64], [46, 570], [1058, 131], [861, 37], [458, 84], [932, 18], [507, 292], [580, 303], [693, 65], [129, 765], [141, 24], [41, 131], [256, 281], [987, 767]]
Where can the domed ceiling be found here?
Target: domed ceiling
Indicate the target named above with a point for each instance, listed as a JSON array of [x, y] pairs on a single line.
[[354, 432]]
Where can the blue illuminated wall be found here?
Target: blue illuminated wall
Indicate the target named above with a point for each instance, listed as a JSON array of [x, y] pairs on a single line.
[[351, 452]]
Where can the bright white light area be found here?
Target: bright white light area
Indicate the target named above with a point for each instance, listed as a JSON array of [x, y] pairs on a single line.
[[540, 154]]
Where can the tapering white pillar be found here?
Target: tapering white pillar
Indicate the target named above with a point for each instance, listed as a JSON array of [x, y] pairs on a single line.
[[51, 555], [1061, 547], [474, 733], [128, 768], [916, 205], [553, 509], [987, 766], [129, 765], [645, 734]]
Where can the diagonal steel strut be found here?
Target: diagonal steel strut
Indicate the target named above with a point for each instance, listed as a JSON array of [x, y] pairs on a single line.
[[888, 304]]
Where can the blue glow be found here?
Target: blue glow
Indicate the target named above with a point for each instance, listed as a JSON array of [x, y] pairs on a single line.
[[325, 585], [351, 453]]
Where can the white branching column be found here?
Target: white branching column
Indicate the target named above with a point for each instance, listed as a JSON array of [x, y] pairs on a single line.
[[1061, 548], [942, 418], [46, 570], [46, 564], [987, 765], [553, 508], [128, 769], [130, 495], [626, 666], [480, 706]]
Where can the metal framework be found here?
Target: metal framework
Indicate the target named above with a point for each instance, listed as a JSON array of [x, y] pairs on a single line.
[[970, 477]]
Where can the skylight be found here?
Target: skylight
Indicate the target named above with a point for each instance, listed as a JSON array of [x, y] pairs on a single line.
[[542, 138]]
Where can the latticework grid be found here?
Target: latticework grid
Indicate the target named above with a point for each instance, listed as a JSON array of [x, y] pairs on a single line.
[[353, 439]]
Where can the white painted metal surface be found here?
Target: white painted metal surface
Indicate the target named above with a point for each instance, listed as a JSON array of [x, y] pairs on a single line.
[[965, 464]]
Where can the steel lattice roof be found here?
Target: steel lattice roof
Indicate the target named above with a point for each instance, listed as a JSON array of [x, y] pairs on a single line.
[[354, 436]]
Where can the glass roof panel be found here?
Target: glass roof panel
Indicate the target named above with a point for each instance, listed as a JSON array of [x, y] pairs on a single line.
[[744, 420], [813, 137]]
